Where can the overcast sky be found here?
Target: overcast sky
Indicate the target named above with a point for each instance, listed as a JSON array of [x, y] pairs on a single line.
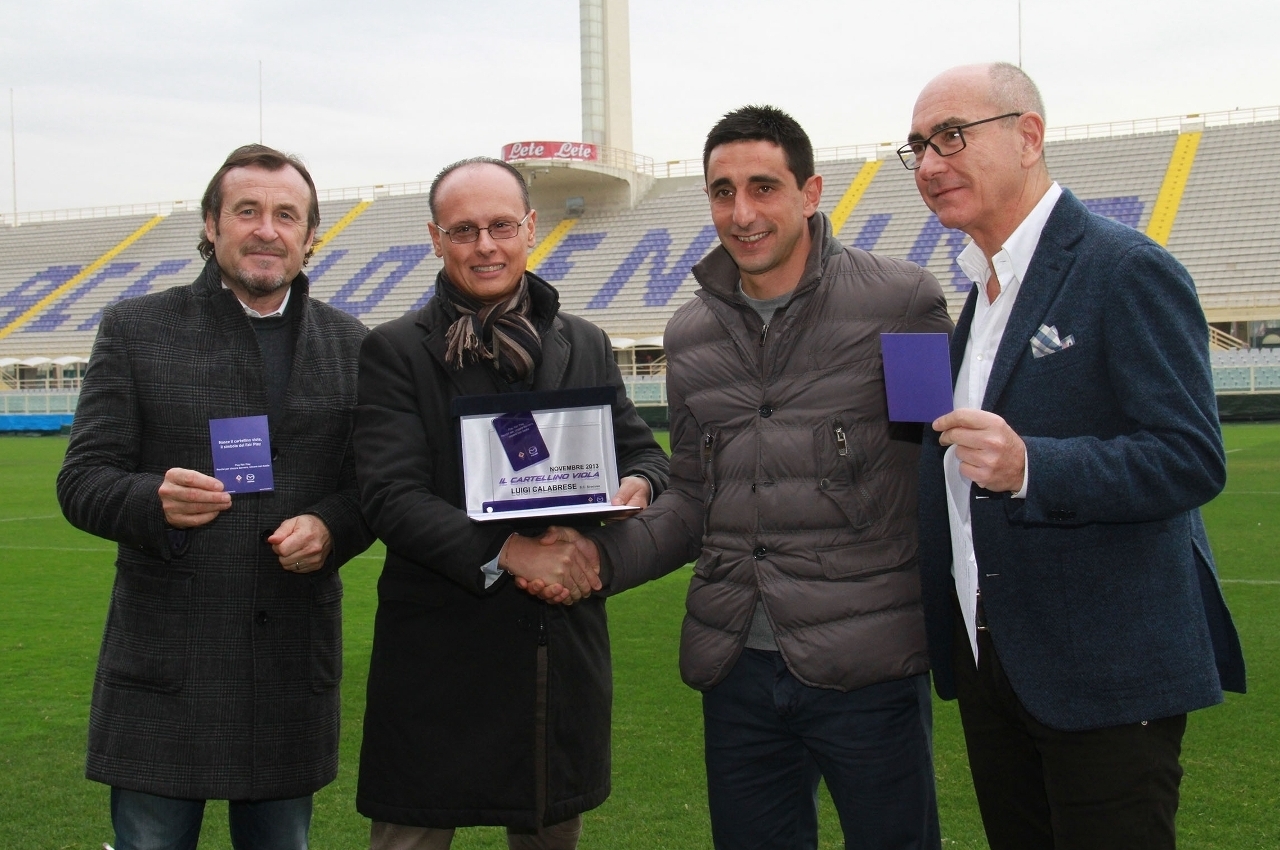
[[131, 101]]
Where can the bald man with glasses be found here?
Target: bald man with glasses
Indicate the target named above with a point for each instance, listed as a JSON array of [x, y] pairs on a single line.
[[1068, 585]]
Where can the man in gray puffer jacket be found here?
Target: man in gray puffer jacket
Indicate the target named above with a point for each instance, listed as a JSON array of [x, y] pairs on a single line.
[[797, 497]]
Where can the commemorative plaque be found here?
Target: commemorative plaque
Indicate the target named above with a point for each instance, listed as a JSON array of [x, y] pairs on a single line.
[[538, 454]]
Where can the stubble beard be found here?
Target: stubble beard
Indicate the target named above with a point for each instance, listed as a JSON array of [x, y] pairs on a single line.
[[261, 284], [756, 264]]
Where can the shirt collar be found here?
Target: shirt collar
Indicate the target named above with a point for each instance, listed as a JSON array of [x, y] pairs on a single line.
[[254, 314], [1018, 249]]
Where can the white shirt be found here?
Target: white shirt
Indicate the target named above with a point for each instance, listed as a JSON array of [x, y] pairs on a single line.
[[254, 314], [989, 321]]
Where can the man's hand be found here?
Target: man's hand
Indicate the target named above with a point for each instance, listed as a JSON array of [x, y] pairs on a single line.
[[991, 455], [191, 499], [555, 593], [633, 491], [553, 564], [302, 543]]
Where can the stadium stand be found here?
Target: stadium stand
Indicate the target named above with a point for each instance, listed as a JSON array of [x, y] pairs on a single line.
[[1246, 369], [627, 271], [37, 259], [1204, 183], [1228, 231]]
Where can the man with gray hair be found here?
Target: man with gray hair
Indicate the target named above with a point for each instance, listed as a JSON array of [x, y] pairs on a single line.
[[1069, 589]]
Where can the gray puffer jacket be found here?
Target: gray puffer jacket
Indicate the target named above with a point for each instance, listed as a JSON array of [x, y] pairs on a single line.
[[788, 482]]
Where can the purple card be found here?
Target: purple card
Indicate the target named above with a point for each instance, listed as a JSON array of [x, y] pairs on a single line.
[[917, 376], [521, 439], [242, 453]]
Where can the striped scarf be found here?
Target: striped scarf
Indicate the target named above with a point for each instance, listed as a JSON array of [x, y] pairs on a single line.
[[502, 332]]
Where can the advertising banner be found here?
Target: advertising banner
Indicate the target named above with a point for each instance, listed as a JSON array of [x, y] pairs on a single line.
[[578, 151]]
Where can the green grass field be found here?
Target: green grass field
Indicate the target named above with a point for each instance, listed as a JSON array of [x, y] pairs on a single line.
[[55, 582]]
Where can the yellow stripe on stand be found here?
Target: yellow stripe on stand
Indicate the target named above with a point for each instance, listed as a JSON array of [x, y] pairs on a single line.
[[84, 274], [854, 194], [1175, 181], [550, 243], [340, 225]]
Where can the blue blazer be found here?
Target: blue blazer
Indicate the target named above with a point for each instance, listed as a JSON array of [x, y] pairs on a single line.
[[1099, 588]]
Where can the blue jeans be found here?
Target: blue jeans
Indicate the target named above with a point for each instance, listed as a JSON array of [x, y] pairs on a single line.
[[769, 738], [147, 822]]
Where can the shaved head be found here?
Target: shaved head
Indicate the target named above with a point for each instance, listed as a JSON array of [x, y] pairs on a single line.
[[1006, 88], [990, 185], [1013, 91]]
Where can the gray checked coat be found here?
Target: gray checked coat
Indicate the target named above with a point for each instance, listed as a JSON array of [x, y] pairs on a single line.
[[218, 673]]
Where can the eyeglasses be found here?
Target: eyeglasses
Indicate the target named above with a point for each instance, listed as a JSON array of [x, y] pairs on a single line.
[[948, 141], [465, 234]]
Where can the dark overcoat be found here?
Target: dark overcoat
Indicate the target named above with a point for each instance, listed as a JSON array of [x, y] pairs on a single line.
[[218, 674], [1098, 587], [449, 731]]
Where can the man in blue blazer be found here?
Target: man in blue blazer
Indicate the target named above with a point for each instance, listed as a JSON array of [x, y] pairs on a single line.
[[1068, 584]]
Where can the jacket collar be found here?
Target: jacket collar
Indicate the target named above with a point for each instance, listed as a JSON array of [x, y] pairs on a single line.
[[229, 311], [1053, 257]]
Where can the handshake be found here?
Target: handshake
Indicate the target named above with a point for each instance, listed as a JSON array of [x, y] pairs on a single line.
[[559, 567], [562, 566]]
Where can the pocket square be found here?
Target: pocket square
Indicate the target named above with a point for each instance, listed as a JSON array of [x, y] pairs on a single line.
[[1046, 341]]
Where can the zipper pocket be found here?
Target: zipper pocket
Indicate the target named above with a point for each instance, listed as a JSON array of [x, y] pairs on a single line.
[[842, 442], [845, 486], [709, 467]]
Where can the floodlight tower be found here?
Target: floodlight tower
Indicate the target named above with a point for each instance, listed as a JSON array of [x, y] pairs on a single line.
[[606, 73], [601, 171]]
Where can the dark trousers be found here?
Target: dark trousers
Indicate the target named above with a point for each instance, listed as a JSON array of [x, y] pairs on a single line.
[[769, 738], [1044, 788]]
